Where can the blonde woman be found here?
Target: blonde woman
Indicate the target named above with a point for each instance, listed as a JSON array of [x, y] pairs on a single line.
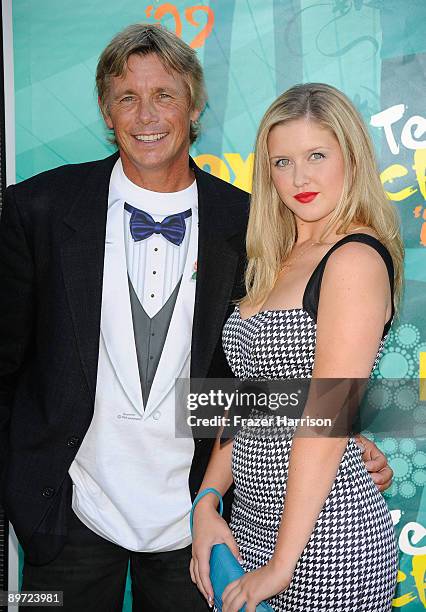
[[324, 274]]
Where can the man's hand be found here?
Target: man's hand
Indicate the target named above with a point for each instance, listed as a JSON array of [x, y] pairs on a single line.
[[376, 463]]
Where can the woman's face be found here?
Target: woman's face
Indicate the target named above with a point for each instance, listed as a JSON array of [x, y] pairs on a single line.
[[307, 168]]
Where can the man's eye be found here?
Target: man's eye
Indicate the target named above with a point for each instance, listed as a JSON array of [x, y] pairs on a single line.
[[318, 155], [127, 99], [163, 95]]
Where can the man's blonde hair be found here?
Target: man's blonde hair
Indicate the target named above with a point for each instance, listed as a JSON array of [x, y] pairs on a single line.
[[175, 55]]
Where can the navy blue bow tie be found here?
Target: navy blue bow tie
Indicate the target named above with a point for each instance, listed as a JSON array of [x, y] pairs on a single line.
[[142, 225]]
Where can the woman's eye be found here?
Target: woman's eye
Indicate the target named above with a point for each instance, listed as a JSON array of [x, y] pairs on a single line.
[[317, 155], [282, 163]]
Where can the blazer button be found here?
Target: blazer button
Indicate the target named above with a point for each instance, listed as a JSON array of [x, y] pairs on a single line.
[[73, 441], [156, 415], [48, 492]]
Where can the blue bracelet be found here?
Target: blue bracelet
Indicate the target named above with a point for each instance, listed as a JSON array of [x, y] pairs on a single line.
[[200, 496]]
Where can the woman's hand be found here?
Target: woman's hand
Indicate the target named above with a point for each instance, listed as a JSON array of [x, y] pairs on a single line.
[[209, 528], [256, 586]]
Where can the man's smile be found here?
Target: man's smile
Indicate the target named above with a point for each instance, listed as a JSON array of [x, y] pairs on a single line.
[[150, 137]]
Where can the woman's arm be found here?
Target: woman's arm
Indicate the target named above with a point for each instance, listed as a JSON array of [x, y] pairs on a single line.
[[354, 306], [218, 474], [353, 309], [209, 527]]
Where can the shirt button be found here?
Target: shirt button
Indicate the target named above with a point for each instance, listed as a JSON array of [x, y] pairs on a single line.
[[152, 333], [154, 272], [151, 357], [152, 295], [155, 249], [48, 492], [156, 415]]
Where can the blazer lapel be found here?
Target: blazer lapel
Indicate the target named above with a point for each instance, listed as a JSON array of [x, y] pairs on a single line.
[[82, 253], [116, 318]]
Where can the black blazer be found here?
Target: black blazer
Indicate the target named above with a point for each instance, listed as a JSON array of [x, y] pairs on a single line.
[[52, 240]]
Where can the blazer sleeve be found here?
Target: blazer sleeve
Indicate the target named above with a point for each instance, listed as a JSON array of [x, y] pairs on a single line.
[[16, 309]]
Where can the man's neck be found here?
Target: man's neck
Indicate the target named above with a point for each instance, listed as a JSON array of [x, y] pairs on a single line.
[[162, 180]]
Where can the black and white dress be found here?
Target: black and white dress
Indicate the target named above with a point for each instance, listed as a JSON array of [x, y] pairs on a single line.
[[350, 561]]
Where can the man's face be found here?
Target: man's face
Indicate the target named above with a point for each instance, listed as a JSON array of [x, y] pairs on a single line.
[[149, 110]]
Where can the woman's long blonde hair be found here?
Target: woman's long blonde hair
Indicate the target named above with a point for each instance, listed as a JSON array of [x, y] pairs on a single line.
[[272, 231]]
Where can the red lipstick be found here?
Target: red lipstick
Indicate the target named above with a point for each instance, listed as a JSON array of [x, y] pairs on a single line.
[[306, 196]]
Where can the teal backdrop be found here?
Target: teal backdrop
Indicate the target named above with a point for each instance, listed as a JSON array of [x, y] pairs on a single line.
[[252, 50]]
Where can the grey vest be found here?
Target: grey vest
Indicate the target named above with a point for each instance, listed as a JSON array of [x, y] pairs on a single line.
[[150, 336]]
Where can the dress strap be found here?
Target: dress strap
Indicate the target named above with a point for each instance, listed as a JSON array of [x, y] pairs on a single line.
[[313, 287]]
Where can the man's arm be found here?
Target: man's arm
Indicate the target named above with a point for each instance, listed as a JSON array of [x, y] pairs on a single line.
[[376, 463], [16, 309]]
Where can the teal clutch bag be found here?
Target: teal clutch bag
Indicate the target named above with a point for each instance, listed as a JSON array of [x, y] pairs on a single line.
[[224, 567]]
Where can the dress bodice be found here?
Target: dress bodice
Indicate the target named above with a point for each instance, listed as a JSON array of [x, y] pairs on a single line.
[[279, 344], [270, 344]]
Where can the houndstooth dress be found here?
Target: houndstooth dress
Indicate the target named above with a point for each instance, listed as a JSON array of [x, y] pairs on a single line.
[[350, 561]]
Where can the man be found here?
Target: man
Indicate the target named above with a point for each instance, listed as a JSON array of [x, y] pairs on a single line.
[[116, 278]]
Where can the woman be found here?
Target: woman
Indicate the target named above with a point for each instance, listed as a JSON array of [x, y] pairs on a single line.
[[324, 272]]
